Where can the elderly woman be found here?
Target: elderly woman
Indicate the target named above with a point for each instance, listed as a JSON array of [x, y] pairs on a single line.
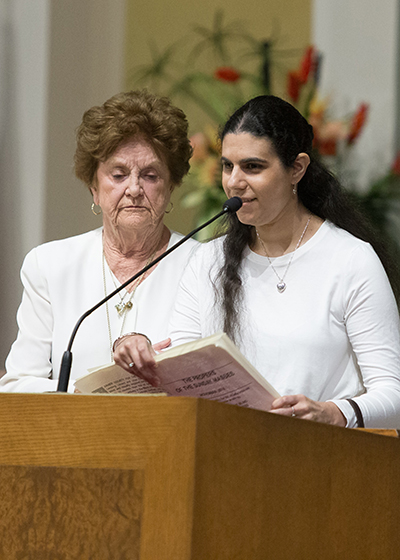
[[298, 281], [131, 152]]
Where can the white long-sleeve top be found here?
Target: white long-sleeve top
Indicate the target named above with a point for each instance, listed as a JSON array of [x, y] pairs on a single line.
[[62, 280], [332, 334]]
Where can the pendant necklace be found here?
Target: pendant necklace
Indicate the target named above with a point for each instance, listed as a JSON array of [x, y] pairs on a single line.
[[121, 307], [281, 285]]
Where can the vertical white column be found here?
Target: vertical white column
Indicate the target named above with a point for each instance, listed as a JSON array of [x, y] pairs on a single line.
[[359, 43], [24, 34]]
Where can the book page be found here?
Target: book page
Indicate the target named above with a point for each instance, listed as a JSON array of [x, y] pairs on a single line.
[[218, 340], [114, 379], [212, 373]]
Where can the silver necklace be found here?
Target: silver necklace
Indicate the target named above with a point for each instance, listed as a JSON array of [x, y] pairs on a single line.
[[281, 285]]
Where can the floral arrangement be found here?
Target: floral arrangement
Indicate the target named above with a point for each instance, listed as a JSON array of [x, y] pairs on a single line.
[[329, 136], [238, 67]]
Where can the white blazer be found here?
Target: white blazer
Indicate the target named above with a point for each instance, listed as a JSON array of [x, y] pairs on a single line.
[[63, 279]]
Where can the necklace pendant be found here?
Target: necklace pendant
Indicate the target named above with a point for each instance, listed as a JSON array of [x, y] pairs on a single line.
[[120, 307], [281, 287], [123, 307]]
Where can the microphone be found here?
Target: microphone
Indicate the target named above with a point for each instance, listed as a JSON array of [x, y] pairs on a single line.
[[230, 206]]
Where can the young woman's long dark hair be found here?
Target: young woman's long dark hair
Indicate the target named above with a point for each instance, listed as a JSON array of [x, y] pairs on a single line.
[[319, 191]]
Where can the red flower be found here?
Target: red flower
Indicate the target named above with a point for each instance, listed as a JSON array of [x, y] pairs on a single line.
[[298, 78], [396, 165], [327, 147], [357, 123], [293, 86], [226, 74], [307, 64]]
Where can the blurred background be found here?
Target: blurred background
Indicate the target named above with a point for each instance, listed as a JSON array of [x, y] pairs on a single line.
[[337, 60]]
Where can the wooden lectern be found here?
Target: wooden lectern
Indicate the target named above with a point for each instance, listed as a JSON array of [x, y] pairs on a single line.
[[161, 478]]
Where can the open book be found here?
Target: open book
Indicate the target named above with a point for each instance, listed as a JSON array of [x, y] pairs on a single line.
[[209, 368]]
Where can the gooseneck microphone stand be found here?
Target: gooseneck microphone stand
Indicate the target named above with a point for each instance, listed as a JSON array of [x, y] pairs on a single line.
[[230, 206]]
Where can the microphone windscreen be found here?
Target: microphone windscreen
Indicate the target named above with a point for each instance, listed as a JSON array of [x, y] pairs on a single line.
[[232, 204]]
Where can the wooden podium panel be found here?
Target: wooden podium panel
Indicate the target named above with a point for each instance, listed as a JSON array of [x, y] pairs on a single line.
[[46, 511], [123, 477], [149, 441], [296, 489]]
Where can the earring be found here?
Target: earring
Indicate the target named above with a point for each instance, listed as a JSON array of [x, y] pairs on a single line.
[[294, 189], [172, 207], [94, 209]]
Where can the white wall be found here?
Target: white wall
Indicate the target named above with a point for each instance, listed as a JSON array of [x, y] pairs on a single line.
[[359, 42], [23, 97], [57, 59]]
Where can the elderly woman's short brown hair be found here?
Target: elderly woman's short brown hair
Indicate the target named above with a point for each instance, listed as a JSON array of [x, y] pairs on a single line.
[[127, 115]]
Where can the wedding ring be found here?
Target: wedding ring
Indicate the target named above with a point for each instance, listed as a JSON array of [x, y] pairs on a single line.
[[132, 364], [293, 411]]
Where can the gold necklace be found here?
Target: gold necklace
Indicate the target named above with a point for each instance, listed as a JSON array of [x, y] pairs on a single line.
[[122, 309], [281, 285], [122, 306]]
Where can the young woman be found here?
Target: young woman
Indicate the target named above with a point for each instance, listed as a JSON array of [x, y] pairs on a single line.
[[295, 282]]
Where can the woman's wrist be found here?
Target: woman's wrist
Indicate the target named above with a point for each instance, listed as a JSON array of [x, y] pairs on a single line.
[[337, 418], [118, 340]]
